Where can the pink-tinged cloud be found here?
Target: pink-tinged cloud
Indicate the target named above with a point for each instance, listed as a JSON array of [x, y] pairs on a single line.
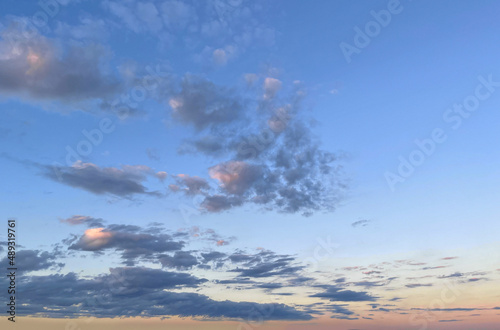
[[44, 69], [191, 185], [83, 220], [271, 87], [95, 238], [236, 177], [161, 175], [279, 121]]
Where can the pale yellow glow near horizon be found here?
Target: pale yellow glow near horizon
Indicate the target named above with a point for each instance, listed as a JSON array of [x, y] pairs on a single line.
[[489, 321]]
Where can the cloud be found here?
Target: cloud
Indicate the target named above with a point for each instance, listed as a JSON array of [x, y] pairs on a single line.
[[87, 28], [360, 223], [209, 144], [139, 278], [334, 293], [203, 104], [265, 264], [449, 309], [177, 14], [180, 260], [191, 185], [131, 241], [236, 177], [137, 291], [124, 182], [344, 317], [212, 256], [270, 286], [152, 154], [417, 285], [161, 175], [227, 28], [456, 274], [33, 260], [205, 234], [84, 220], [221, 242], [144, 16], [271, 87], [339, 309], [220, 57], [368, 283], [290, 180], [266, 154], [33, 66], [250, 79], [218, 203], [434, 267]]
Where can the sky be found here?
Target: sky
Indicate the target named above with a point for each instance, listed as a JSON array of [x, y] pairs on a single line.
[[237, 164]]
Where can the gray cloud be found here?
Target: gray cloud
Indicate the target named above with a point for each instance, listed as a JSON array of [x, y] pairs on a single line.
[[360, 223], [138, 291], [180, 260], [131, 241], [417, 285], [33, 260], [274, 160], [32, 65], [218, 203], [121, 182], [368, 284], [236, 177], [334, 293], [211, 256], [265, 264], [456, 274], [84, 220], [203, 104], [191, 185]]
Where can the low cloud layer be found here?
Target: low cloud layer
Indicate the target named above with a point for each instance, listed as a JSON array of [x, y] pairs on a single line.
[[134, 291], [335, 293]]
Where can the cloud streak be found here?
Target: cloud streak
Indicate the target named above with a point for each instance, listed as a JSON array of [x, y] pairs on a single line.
[[121, 182]]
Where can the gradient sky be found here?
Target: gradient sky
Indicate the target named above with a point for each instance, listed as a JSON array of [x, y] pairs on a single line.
[[214, 164]]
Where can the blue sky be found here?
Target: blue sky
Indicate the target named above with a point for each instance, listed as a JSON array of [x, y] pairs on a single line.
[[249, 131]]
